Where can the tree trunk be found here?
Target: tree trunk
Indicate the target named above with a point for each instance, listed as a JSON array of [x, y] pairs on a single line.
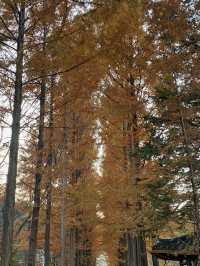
[[48, 216], [39, 163], [63, 196], [133, 252], [155, 261], [9, 205], [49, 185], [70, 237], [63, 229], [38, 178], [137, 255]]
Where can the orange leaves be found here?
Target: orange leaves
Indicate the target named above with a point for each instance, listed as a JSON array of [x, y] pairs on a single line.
[[129, 46]]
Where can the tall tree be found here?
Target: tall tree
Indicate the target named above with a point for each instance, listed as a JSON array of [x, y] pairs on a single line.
[[174, 86], [12, 13], [40, 147]]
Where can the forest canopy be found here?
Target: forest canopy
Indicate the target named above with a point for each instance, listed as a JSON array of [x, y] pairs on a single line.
[[99, 129]]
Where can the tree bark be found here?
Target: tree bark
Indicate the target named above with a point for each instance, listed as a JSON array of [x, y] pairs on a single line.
[[63, 196], [49, 185], [39, 163], [48, 217], [63, 229], [155, 261], [133, 244], [9, 204], [38, 178], [137, 255]]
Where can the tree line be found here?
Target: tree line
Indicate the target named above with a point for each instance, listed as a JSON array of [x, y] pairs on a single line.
[[112, 85]]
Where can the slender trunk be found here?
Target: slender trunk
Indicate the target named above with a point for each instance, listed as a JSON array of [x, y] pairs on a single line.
[[48, 222], [137, 255], [38, 178], [9, 205], [63, 229], [39, 164], [133, 252], [155, 261], [63, 197], [49, 186]]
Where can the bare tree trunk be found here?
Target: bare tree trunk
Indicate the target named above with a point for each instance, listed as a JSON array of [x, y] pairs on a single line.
[[136, 251], [39, 163], [38, 179], [63, 197], [9, 205], [48, 216], [137, 255], [48, 222], [49, 185], [63, 229], [133, 246], [133, 250]]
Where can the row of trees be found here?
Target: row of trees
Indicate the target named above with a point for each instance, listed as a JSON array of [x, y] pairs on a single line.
[[120, 77]]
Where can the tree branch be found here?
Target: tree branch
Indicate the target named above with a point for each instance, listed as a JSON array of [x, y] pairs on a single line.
[[63, 71], [7, 45], [22, 225], [86, 2], [7, 69], [14, 9], [7, 28]]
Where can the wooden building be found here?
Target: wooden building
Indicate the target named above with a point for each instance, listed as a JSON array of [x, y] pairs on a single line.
[[181, 249]]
